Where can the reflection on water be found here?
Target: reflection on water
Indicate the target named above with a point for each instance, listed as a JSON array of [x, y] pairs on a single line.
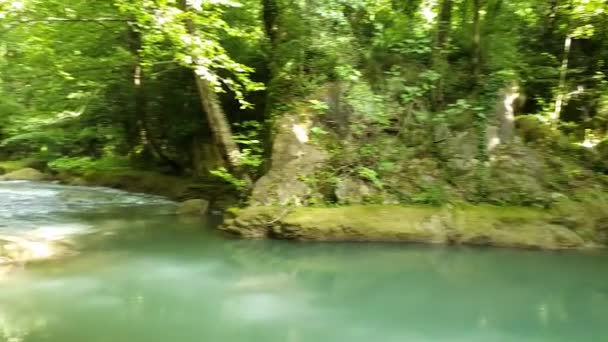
[[145, 276]]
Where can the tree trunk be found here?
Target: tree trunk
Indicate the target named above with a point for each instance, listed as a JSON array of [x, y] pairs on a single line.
[[205, 156], [140, 101], [440, 62], [146, 138], [562, 95], [270, 16], [477, 5], [218, 121], [444, 24], [220, 127]]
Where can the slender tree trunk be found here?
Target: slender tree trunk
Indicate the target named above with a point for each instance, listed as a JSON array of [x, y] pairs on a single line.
[[444, 24], [440, 62], [270, 16], [477, 6], [562, 96], [147, 140], [139, 93], [464, 13], [486, 135]]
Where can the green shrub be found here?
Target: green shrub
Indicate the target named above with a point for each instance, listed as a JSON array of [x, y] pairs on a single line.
[[83, 165], [532, 129], [34, 142], [433, 194]]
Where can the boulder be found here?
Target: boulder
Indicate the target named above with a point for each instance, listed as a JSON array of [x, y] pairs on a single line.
[[354, 191], [294, 158], [513, 178], [25, 174], [469, 225], [193, 207]]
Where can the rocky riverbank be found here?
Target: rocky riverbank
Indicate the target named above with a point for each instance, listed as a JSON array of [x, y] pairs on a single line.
[[567, 225], [441, 186], [133, 180], [467, 225]]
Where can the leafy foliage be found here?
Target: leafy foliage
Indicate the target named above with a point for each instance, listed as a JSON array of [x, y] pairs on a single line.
[[396, 90]]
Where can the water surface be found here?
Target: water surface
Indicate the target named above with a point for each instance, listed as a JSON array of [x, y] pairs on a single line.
[[142, 274]]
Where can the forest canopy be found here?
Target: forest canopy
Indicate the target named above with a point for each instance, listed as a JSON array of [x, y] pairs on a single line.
[[199, 87]]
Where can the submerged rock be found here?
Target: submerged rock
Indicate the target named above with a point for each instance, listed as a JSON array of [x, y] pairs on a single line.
[[481, 225], [25, 174], [193, 207]]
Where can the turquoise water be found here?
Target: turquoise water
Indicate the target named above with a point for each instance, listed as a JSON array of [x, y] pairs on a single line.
[[136, 273]]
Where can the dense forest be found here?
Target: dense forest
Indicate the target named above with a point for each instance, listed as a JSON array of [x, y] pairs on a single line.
[[390, 101], [144, 143]]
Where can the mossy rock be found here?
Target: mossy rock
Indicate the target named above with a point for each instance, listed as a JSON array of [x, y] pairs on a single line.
[[469, 225], [193, 207], [8, 166], [28, 174]]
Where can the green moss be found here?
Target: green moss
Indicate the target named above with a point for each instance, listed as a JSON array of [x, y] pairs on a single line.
[[465, 224], [364, 216], [484, 211], [84, 165]]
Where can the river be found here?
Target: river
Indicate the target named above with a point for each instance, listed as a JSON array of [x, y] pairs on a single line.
[[120, 267]]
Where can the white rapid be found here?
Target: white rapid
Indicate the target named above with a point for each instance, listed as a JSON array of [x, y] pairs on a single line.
[[39, 221]]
